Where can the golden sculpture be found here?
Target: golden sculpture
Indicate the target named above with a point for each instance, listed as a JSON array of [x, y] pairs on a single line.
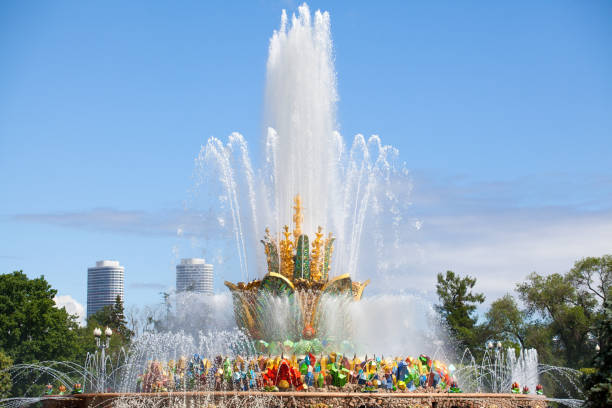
[[299, 274], [316, 258], [286, 253], [298, 217]]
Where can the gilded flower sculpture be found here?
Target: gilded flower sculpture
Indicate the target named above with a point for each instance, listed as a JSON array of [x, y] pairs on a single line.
[[299, 277]]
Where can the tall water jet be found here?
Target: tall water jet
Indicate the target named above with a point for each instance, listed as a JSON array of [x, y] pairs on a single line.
[[300, 114], [349, 190], [524, 367]]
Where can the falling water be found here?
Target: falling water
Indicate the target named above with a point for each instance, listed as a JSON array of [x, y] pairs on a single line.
[[347, 190], [524, 368]]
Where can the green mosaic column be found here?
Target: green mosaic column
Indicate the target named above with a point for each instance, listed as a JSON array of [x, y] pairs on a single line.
[[302, 259]]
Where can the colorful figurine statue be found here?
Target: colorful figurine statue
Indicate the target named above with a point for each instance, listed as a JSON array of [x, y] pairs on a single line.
[[309, 377], [369, 387], [362, 377], [516, 388], [296, 373], [525, 390], [454, 388], [49, 389], [539, 389], [77, 389]]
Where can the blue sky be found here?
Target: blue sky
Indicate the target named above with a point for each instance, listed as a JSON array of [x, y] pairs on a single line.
[[502, 112]]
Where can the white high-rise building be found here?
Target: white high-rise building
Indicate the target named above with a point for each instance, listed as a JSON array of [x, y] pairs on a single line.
[[194, 275], [104, 283]]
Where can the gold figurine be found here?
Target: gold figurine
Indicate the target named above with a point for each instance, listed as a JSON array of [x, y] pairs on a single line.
[[286, 250], [316, 257], [298, 218]]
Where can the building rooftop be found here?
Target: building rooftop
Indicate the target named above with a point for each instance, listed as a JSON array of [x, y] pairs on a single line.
[[193, 261], [103, 263]]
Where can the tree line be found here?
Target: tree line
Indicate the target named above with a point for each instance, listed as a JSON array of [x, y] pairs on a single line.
[[33, 330], [567, 317]]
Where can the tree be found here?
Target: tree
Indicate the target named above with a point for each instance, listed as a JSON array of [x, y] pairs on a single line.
[[598, 385], [504, 319], [113, 317], [32, 328], [555, 299], [458, 304], [118, 320], [5, 377], [592, 277]]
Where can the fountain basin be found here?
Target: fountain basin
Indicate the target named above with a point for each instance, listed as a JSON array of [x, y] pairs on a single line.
[[298, 400]]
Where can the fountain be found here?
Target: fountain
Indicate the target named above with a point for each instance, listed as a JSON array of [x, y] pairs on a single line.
[[303, 334]]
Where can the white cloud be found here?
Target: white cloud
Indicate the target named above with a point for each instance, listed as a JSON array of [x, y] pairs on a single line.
[[72, 307], [502, 249], [489, 231], [170, 222]]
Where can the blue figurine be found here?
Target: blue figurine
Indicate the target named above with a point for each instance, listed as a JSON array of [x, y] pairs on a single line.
[[401, 371], [362, 379], [423, 380], [237, 379], [309, 379], [436, 380], [251, 383]]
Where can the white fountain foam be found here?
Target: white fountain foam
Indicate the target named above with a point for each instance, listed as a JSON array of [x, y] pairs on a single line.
[[300, 107], [524, 368], [349, 192]]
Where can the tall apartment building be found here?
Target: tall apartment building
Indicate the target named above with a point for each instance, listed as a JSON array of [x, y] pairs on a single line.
[[195, 275], [104, 283]]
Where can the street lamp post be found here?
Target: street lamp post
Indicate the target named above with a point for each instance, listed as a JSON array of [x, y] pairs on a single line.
[[102, 346], [495, 350]]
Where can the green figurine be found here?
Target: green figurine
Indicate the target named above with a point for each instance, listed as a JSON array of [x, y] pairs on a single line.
[[454, 388]]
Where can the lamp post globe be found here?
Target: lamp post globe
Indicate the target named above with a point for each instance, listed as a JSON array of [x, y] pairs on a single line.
[[108, 332]]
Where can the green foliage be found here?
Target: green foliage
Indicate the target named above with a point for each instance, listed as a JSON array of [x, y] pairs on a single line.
[[5, 377], [31, 327], [114, 318], [458, 305], [567, 313], [599, 383], [558, 319], [592, 278], [506, 321]]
